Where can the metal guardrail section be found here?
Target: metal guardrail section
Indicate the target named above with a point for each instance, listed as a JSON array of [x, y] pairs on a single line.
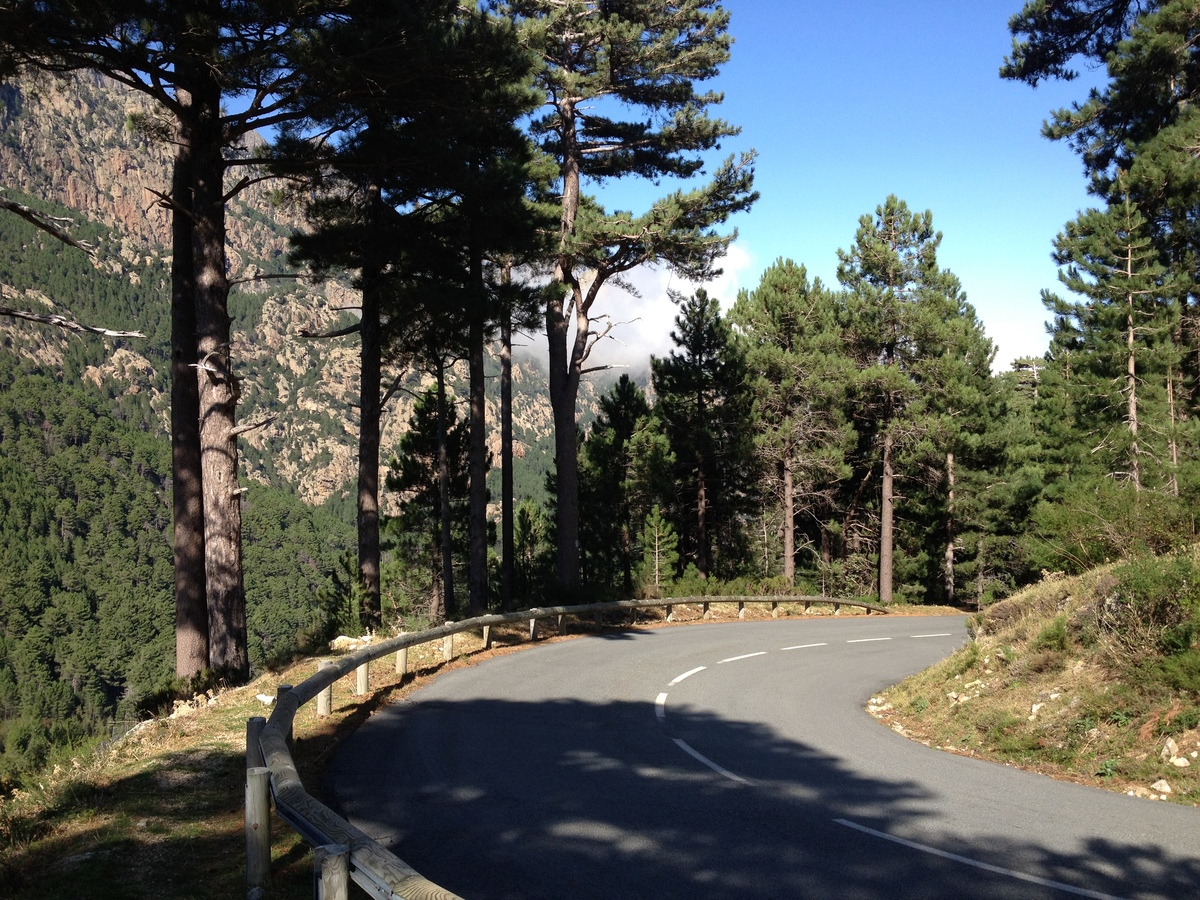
[[376, 870]]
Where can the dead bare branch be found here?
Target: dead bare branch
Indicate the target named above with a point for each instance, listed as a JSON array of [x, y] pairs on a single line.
[[49, 224], [251, 426], [63, 322], [349, 329]]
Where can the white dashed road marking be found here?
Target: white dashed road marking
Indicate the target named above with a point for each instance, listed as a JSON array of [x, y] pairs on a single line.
[[867, 640], [700, 757], [660, 707], [805, 646], [743, 656], [688, 674]]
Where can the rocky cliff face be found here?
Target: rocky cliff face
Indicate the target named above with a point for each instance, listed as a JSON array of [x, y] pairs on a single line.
[[82, 142]]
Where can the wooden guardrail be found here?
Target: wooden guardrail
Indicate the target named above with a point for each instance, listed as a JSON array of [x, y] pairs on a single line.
[[342, 851]]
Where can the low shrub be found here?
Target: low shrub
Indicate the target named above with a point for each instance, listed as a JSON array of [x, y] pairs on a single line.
[[1053, 636], [1150, 607]]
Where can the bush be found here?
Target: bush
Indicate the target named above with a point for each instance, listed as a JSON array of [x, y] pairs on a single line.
[[1150, 607], [1053, 636], [1102, 521]]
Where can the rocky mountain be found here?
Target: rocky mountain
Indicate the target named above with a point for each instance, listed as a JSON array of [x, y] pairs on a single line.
[[83, 147]]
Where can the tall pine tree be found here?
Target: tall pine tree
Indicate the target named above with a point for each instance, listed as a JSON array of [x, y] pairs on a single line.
[[706, 407], [619, 81]]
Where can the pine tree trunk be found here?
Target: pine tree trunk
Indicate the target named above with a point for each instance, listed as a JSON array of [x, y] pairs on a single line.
[[218, 400], [563, 389], [507, 542], [565, 368], [948, 561], [789, 525], [1131, 388], [447, 604], [702, 522], [1173, 481], [191, 600], [370, 411], [886, 502], [477, 464]]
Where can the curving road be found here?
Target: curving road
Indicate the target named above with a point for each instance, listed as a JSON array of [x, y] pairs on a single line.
[[731, 760]]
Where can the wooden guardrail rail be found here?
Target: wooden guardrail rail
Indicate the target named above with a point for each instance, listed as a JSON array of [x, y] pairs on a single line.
[[344, 852]]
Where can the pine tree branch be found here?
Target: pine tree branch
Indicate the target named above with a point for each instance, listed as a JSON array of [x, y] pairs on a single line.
[[251, 426], [349, 329], [63, 322], [48, 224]]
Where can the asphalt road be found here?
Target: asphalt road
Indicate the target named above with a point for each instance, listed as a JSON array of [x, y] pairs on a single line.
[[731, 760]]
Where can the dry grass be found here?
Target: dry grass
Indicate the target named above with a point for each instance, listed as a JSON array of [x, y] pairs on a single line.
[[1041, 688]]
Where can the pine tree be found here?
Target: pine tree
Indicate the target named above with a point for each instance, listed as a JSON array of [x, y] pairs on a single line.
[[915, 342], [660, 553], [791, 330], [1121, 333], [1134, 134], [599, 59], [704, 402], [608, 529], [428, 447], [189, 58], [432, 176]]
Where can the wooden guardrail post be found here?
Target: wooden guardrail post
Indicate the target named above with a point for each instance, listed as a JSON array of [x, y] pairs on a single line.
[[325, 698], [533, 629], [258, 827], [561, 620], [774, 609], [362, 679], [487, 637], [290, 736], [254, 754], [448, 648], [331, 872], [402, 661], [705, 611], [670, 614], [741, 609]]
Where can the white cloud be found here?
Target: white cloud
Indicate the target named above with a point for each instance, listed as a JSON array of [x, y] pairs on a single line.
[[642, 324]]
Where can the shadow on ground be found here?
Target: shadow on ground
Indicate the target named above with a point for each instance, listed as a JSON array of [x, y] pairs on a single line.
[[555, 809]]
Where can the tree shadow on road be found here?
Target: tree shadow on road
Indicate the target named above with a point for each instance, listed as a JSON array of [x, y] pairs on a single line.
[[568, 799]]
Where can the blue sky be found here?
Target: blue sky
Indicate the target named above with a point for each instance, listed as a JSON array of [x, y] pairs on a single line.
[[848, 101]]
